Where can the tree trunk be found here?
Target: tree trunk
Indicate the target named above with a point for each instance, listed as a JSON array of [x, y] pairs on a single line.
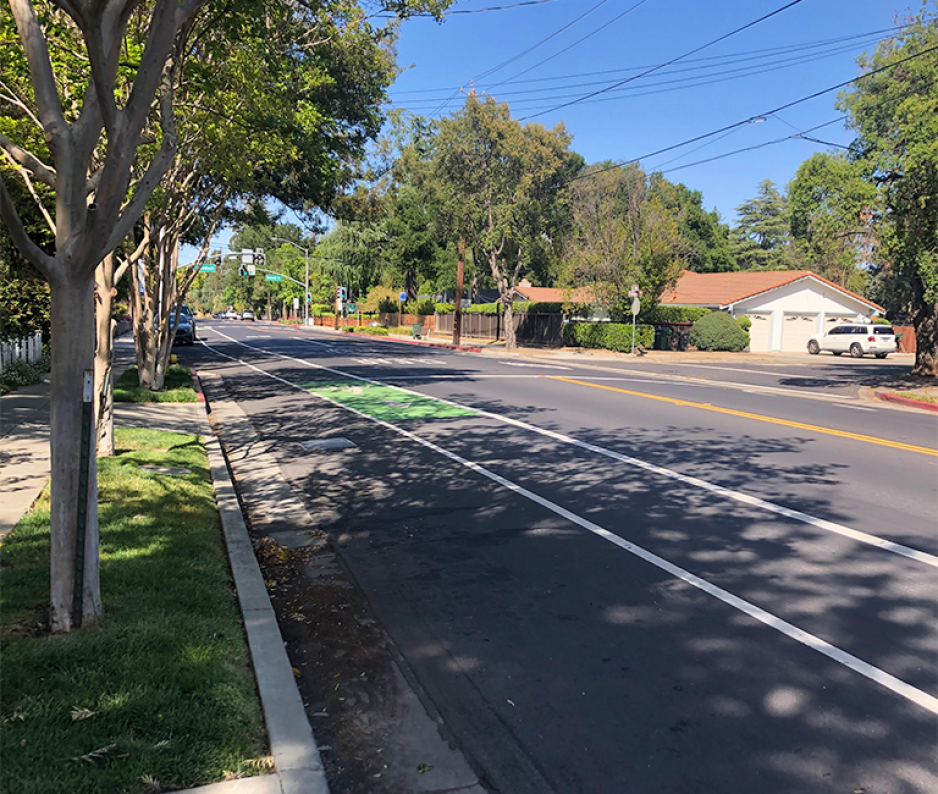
[[926, 341], [511, 342], [104, 355], [72, 355]]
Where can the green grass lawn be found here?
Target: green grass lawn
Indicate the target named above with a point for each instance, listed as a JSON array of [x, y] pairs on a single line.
[[161, 690], [922, 398], [177, 387]]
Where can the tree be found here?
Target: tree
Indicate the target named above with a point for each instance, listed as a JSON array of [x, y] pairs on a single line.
[[499, 180], [92, 98], [893, 114], [95, 209], [624, 233], [760, 237], [829, 209], [708, 236]]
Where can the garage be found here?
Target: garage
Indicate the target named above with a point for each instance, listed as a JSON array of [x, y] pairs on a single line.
[[760, 331], [832, 320], [797, 329]]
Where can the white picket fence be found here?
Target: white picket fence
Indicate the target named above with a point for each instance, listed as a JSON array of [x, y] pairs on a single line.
[[28, 350]]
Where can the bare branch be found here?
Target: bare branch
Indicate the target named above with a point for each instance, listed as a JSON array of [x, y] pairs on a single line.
[[9, 95], [46, 264], [154, 173], [24, 175], [207, 240], [43, 78], [22, 158]]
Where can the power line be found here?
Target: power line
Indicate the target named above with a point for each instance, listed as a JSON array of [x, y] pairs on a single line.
[[579, 41], [473, 10], [728, 58], [668, 63], [767, 113], [691, 81], [514, 58]]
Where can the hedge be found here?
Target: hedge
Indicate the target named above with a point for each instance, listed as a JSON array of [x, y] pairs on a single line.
[[672, 314], [608, 336], [368, 330], [25, 307], [718, 331]]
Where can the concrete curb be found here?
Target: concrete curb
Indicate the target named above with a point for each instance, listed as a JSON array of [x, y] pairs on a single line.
[[198, 386], [296, 756], [892, 397]]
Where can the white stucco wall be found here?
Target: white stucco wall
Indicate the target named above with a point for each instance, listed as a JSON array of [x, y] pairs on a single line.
[[806, 296]]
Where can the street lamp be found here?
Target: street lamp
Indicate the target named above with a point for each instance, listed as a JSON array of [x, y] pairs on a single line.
[[306, 280]]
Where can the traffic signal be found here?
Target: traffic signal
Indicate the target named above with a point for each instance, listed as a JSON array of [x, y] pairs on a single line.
[[259, 258], [243, 270]]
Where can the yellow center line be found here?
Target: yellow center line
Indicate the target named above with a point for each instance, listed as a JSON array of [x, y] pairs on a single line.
[[759, 417]]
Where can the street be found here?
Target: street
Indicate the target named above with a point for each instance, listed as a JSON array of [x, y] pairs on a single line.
[[625, 578]]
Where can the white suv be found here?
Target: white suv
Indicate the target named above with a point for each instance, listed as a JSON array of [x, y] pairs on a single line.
[[856, 339]]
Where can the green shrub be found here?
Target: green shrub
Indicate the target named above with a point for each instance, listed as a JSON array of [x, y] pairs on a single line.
[[25, 307], [744, 322], [607, 336], [320, 310], [19, 373], [445, 308], [488, 309], [881, 321], [671, 314], [718, 331], [368, 330]]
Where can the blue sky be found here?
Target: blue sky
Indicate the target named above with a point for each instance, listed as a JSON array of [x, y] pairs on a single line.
[[806, 48], [657, 111]]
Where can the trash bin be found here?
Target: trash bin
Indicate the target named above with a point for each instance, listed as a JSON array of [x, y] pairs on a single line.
[[683, 340], [662, 338], [417, 329]]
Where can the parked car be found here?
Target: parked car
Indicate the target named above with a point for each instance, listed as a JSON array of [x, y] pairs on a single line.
[[185, 311], [231, 314], [858, 339], [185, 329], [247, 314]]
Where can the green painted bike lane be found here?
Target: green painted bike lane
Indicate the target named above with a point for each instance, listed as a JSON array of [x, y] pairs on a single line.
[[386, 403]]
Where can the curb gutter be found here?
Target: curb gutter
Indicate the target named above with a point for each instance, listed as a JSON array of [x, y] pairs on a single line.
[[296, 756], [892, 397]]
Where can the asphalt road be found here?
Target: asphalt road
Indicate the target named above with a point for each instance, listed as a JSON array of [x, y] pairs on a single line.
[[622, 582]]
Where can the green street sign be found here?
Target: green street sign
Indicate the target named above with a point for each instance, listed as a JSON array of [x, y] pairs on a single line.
[[272, 277], [207, 268]]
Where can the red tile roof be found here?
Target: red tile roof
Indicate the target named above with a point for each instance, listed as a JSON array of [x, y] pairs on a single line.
[[724, 289], [554, 295]]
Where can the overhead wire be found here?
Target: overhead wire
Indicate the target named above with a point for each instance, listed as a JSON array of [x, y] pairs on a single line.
[[569, 47], [764, 114], [692, 81], [647, 72], [514, 58], [728, 58]]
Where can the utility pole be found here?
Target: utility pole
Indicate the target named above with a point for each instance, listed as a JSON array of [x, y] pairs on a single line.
[[460, 272]]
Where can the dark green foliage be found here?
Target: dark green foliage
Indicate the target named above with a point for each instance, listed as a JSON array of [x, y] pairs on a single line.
[[608, 336], [388, 306], [24, 307], [659, 315], [19, 373], [761, 237], [718, 331]]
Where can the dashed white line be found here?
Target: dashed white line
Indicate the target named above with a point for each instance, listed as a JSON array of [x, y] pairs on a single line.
[[765, 617]]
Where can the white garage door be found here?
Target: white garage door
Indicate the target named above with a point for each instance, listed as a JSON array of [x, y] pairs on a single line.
[[832, 320], [797, 329], [759, 332]]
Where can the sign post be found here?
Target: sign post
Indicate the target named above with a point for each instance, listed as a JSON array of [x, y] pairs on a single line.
[[400, 308], [634, 294]]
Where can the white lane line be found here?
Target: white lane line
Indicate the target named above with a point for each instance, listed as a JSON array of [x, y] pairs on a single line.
[[855, 407], [462, 376], [807, 639], [719, 490]]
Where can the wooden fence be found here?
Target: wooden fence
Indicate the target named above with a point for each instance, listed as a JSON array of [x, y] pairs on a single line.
[[530, 329], [28, 350]]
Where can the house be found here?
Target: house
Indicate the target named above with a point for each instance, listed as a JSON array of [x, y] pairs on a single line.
[[786, 307], [525, 291]]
